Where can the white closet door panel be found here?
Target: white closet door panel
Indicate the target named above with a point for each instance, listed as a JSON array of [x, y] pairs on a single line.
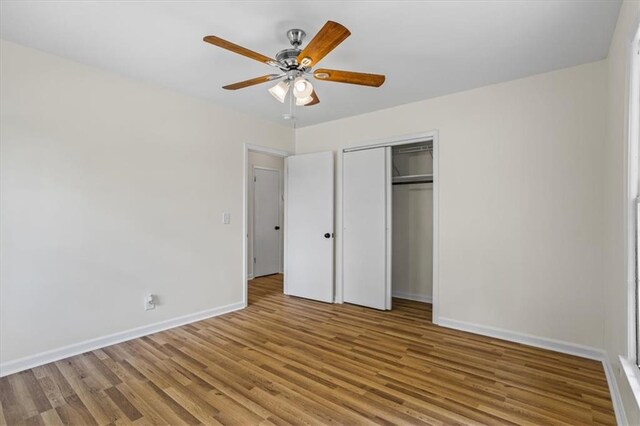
[[309, 226], [366, 232]]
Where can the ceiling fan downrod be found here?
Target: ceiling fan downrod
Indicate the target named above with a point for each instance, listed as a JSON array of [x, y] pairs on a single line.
[[296, 36]]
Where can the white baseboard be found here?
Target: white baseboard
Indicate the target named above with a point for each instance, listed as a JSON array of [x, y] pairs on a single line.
[[554, 345], [42, 358], [249, 277], [614, 390], [527, 339], [412, 296]]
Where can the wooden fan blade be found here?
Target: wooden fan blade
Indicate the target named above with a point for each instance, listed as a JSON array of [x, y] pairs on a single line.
[[327, 39], [315, 100], [251, 82], [350, 77], [217, 41]]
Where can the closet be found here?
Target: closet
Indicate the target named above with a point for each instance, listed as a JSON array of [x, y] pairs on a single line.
[[388, 224], [412, 222]]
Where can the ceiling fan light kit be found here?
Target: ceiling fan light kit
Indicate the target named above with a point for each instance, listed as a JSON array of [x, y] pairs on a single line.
[[279, 91], [304, 101], [302, 88], [295, 65]]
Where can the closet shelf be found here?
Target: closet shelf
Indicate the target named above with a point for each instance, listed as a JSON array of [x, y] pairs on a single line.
[[403, 180]]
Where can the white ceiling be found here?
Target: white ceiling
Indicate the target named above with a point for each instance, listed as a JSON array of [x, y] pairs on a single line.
[[426, 49]]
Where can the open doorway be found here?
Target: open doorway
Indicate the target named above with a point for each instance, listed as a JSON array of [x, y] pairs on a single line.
[[306, 222], [263, 213], [266, 206]]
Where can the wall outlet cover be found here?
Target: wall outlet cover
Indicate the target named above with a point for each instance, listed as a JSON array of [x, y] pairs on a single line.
[[149, 302]]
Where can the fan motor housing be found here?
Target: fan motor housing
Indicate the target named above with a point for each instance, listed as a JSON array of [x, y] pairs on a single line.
[[288, 57]]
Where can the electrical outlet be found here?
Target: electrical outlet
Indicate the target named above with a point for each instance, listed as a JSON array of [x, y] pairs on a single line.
[[226, 218], [149, 302]]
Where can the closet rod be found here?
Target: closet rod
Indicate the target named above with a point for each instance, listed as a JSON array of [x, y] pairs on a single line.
[[410, 141], [412, 183], [405, 180]]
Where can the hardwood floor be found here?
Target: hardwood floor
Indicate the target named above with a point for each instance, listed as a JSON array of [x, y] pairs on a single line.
[[287, 360]]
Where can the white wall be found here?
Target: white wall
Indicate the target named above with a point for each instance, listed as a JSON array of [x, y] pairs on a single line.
[[616, 324], [412, 246], [520, 198], [112, 188], [263, 160]]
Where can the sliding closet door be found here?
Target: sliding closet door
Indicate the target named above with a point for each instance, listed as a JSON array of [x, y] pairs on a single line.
[[366, 189]]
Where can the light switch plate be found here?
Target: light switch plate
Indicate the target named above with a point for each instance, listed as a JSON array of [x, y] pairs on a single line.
[[226, 218]]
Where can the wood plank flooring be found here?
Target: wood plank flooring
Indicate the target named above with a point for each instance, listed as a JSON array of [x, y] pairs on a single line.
[[291, 361]]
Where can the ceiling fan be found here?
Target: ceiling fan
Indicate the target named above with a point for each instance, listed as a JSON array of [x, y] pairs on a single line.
[[295, 65]]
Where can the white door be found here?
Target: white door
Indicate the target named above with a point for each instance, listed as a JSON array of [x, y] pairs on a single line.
[[366, 192], [309, 226], [266, 222]]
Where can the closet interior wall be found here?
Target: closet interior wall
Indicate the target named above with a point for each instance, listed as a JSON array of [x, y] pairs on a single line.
[[412, 224]]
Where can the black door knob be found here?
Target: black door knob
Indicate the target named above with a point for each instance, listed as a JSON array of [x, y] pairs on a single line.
[[277, 228], [327, 235]]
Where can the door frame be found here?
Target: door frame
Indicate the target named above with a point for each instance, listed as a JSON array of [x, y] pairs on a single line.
[[249, 147], [280, 237], [430, 136]]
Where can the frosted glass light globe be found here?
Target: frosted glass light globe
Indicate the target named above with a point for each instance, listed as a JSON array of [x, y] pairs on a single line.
[[302, 88], [301, 85]]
